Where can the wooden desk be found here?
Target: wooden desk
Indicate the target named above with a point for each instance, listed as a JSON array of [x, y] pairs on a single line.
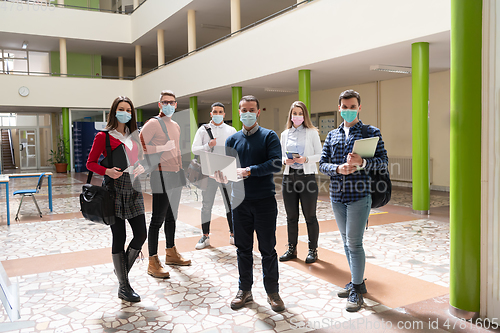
[[34, 175]]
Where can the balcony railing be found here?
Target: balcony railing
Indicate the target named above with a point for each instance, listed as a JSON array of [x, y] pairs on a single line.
[[43, 5]]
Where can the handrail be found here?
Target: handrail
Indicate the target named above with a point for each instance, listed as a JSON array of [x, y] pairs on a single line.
[[13, 157], [267, 18], [71, 75], [227, 36], [49, 3]]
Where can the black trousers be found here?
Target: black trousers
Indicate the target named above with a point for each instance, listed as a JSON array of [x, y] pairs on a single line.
[[256, 217], [298, 187], [165, 208], [118, 230]]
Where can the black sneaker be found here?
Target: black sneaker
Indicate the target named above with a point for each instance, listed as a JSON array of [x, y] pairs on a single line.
[[344, 293], [354, 301]]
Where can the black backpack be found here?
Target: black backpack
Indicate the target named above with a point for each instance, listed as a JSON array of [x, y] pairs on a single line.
[[380, 182]]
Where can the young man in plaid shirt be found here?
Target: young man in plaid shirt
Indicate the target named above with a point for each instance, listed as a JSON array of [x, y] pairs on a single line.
[[350, 189]]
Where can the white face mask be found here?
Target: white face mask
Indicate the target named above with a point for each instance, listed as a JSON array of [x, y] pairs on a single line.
[[248, 118], [168, 110]]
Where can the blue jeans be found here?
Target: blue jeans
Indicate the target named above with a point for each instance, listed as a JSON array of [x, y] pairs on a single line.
[[351, 219], [257, 216]]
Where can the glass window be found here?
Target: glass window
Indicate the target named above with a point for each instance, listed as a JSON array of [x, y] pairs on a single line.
[[17, 66], [39, 62], [27, 120], [86, 116], [8, 120], [44, 119], [18, 54]]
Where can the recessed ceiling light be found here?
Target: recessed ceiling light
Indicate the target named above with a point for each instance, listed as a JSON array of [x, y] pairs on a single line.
[[214, 26], [391, 69], [25, 45], [290, 91]]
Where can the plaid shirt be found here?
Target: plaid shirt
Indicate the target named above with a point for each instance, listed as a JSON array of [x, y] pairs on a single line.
[[356, 185]]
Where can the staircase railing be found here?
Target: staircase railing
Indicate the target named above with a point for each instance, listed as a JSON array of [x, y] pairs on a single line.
[[12, 156]]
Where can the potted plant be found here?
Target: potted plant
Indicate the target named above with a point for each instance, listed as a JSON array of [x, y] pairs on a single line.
[[58, 156]]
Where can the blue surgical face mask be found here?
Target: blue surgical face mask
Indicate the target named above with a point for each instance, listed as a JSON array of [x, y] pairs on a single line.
[[349, 115], [217, 118], [248, 118], [123, 116], [168, 110]]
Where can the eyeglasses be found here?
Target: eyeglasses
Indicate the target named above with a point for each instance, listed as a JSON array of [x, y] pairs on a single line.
[[168, 102]]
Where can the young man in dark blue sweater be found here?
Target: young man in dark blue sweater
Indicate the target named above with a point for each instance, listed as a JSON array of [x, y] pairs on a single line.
[[254, 204]]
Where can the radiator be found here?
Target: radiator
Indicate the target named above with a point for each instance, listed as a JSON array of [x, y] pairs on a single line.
[[400, 168]]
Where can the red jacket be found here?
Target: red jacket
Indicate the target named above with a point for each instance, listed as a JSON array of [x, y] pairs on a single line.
[[99, 147]]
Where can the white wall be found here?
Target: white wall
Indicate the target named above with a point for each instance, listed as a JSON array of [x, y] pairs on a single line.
[[62, 91], [153, 12], [65, 23], [267, 47], [395, 116]]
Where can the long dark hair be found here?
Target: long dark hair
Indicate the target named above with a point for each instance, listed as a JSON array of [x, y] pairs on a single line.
[[132, 124], [113, 122]]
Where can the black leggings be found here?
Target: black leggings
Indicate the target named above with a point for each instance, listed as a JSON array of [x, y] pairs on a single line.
[[138, 225]]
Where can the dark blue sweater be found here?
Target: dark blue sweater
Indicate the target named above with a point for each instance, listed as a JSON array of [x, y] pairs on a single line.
[[261, 152]]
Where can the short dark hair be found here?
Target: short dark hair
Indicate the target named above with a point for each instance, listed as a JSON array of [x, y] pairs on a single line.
[[218, 104], [348, 94], [167, 93], [249, 98]]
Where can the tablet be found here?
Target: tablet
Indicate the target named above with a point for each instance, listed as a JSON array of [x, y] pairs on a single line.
[[365, 147], [211, 162]]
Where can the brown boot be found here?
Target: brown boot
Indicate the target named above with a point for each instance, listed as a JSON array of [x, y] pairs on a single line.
[[155, 269], [174, 258]]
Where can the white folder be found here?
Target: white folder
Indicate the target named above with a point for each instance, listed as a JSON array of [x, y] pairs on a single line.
[[211, 162], [365, 147]]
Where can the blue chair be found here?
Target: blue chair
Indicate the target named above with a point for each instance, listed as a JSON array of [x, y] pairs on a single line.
[[30, 193]]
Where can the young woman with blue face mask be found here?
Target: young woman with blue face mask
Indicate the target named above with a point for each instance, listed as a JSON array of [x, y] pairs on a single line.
[[301, 138], [129, 203]]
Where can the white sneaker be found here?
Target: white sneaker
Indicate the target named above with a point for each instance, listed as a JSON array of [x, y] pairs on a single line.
[[231, 239], [203, 242]]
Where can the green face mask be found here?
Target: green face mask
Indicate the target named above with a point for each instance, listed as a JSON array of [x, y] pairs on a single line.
[[349, 115]]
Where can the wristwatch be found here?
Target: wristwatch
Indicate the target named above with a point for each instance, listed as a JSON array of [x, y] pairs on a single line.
[[248, 171]]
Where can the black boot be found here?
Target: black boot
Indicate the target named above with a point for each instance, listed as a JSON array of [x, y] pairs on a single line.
[[131, 256], [125, 291], [290, 254], [312, 256]]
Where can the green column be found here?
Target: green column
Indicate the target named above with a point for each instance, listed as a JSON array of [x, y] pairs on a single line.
[[420, 127], [465, 156], [237, 93], [65, 124], [193, 123], [305, 87], [139, 115]]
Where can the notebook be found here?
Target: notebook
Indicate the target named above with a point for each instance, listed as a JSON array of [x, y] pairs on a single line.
[[120, 158], [365, 147]]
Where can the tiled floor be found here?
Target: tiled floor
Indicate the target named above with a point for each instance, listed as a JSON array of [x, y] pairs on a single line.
[[66, 282]]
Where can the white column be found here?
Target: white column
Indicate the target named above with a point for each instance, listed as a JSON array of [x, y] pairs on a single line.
[[120, 68], [63, 57], [235, 15], [60, 2], [191, 30], [161, 46], [136, 4], [138, 60]]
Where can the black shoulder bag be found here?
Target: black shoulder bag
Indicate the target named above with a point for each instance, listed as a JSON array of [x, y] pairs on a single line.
[[193, 173], [97, 203], [380, 182]]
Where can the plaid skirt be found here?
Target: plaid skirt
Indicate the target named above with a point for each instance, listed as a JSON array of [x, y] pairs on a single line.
[[129, 202]]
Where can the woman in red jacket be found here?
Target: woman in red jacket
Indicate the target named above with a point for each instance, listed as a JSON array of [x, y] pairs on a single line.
[[129, 203]]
